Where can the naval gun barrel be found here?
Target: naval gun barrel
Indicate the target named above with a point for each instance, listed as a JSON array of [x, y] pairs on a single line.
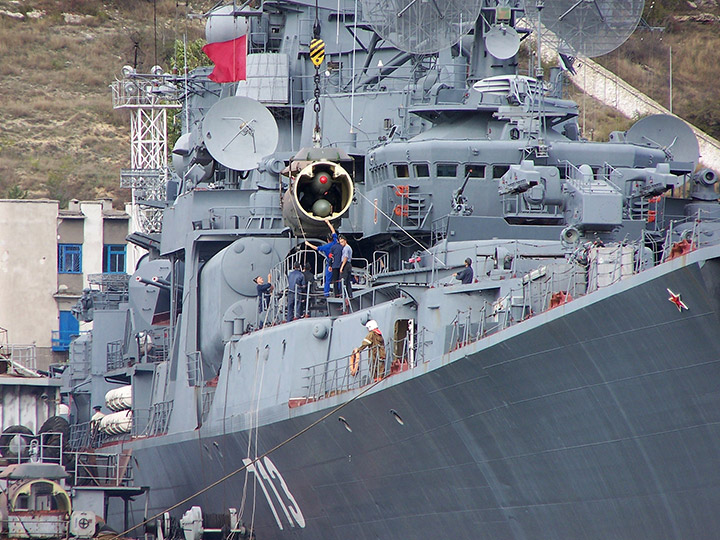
[[321, 190], [155, 282]]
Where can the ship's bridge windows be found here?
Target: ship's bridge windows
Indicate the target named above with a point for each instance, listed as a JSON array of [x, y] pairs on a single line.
[[447, 170], [402, 170], [474, 170], [422, 170], [500, 170]]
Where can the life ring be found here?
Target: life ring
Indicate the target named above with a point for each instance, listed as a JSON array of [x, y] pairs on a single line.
[[354, 363]]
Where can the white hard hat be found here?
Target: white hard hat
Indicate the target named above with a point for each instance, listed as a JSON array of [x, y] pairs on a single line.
[[371, 325]]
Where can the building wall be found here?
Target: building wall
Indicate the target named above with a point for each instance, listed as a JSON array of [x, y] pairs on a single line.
[[28, 270], [93, 238], [32, 292], [115, 231], [134, 253]]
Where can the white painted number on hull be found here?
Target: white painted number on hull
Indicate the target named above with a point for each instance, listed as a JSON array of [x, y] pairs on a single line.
[[266, 473]]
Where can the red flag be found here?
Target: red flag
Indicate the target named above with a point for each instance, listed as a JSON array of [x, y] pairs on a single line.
[[229, 59]]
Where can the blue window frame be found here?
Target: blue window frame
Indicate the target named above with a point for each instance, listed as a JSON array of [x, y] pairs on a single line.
[[114, 258], [69, 258], [69, 327]]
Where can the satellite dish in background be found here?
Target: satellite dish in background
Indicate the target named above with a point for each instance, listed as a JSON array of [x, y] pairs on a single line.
[[421, 26], [587, 27], [239, 132], [668, 133], [502, 41], [222, 25]]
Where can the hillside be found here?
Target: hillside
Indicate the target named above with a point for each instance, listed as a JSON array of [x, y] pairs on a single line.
[[61, 138]]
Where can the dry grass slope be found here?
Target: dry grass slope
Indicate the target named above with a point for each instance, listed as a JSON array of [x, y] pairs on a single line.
[[61, 138]]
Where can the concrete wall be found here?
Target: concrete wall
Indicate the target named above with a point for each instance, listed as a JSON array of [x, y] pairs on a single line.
[[93, 238], [115, 231], [134, 253], [28, 270]]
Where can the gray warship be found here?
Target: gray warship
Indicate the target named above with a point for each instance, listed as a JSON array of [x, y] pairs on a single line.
[[568, 390]]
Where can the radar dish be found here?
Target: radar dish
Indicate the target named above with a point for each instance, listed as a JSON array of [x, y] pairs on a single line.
[[239, 132], [502, 41], [222, 25], [421, 26], [588, 27], [668, 133]]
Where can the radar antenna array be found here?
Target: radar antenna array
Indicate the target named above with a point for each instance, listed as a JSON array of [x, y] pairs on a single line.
[[587, 27], [421, 26]]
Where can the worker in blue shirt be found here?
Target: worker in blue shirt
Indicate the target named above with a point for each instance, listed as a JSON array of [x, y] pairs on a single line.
[[296, 286], [263, 294], [325, 249], [466, 275]]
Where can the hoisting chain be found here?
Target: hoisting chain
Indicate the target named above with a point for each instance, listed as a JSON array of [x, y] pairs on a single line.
[[317, 55]]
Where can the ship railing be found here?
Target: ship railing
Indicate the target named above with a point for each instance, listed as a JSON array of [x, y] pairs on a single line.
[[279, 272], [87, 435], [25, 355], [109, 290], [439, 229], [140, 422], [606, 172], [100, 469], [114, 358], [690, 238], [312, 297], [160, 414], [208, 395], [576, 178], [354, 371], [153, 345], [110, 282], [81, 436], [339, 375], [61, 339], [144, 90], [46, 447], [534, 295], [194, 368], [602, 273], [380, 264], [412, 208], [244, 217]]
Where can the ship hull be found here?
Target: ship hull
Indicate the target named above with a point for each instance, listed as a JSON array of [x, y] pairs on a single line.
[[598, 419]]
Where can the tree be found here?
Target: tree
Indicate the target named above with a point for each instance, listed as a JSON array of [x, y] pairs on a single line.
[[195, 57], [16, 192]]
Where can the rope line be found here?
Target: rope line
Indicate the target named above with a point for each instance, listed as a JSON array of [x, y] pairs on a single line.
[[400, 227], [244, 467]]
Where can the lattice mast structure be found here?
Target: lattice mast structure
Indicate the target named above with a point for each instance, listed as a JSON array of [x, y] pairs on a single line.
[[148, 98]]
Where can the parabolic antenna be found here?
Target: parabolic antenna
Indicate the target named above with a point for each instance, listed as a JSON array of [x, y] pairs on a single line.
[[668, 133], [587, 27], [502, 41], [239, 132], [421, 26]]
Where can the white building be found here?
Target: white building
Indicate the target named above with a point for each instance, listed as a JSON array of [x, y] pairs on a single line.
[[46, 256]]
